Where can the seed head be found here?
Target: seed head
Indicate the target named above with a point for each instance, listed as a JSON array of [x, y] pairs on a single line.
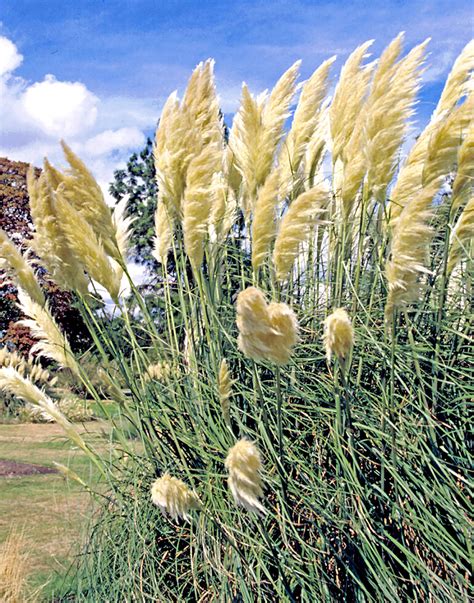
[[244, 465]]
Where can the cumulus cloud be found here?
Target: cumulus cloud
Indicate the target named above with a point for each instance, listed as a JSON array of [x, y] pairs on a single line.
[[60, 108], [10, 58], [113, 140], [103, 131]]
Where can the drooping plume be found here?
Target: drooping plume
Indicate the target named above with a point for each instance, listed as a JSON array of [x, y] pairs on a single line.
[[52, 343], [295, 228], [19, 269], [266, 331], [174, 497], [245, 482]]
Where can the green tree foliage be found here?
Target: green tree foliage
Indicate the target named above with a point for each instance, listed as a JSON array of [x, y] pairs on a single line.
[[137, 182]]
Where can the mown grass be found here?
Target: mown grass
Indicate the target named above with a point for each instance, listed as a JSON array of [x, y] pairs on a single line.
[[51, 512]]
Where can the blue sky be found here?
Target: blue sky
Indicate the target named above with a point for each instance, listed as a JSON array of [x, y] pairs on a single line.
[[111, 63]]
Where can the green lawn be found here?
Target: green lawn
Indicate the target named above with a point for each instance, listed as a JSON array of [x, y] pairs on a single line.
[[51, 512]]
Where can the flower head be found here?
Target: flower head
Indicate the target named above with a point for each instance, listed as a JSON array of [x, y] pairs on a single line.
[[172, 496], [266, 331], [244, 465], [338, 334]]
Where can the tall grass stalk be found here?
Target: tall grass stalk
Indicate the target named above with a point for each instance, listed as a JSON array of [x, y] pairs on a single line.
[[365, 458]]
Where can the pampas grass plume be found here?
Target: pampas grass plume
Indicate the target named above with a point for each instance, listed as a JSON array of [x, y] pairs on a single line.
[[225, 390], [295, 228], [174, 497], [86, 246], [338, 335], [52, 342], [264, 219], [266, 332], [19, 269], [244, 466]]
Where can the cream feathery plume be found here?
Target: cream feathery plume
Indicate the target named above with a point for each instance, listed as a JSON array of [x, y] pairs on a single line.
[[257, 131], [389, 106], [19, 269], [464, 181], [244, 465], [13, 382], [81, 190], [409, 178], [411, 237], [197, 203], [264, 219], [317, 147], [52, 342], [348, 98], [338, 335], [266, 332], [462, 236], [285, 332], [305, 120], [223, 208], [253, 322], [27, 367], [276, 109], [201, 102], [122, 225], [173, 496], [86, 246], [246, 148], [381, 123], [159, 371], [234, 176], [224, 383], [49, 241], [174, 149], [163, 233], [459, 80], [295, 228], [445, 141], [53, 176]]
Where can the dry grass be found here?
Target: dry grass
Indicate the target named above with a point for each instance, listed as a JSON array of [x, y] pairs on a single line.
[[13, 569]]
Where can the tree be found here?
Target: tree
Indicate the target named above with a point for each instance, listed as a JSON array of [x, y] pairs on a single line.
[[15, 220], [137, 182]]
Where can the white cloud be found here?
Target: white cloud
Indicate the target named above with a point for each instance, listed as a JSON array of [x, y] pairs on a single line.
[[112, 140], [60, 108], [10, 58], [103, 131]]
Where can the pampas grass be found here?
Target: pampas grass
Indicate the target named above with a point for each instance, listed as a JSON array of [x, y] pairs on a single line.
[[52, 343], [295, 228], [262, 244], [19, 269]]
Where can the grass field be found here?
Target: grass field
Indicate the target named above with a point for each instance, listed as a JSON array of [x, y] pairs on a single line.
[[51, 512]]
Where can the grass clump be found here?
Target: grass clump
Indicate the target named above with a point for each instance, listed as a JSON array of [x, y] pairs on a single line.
[[314, 341]]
